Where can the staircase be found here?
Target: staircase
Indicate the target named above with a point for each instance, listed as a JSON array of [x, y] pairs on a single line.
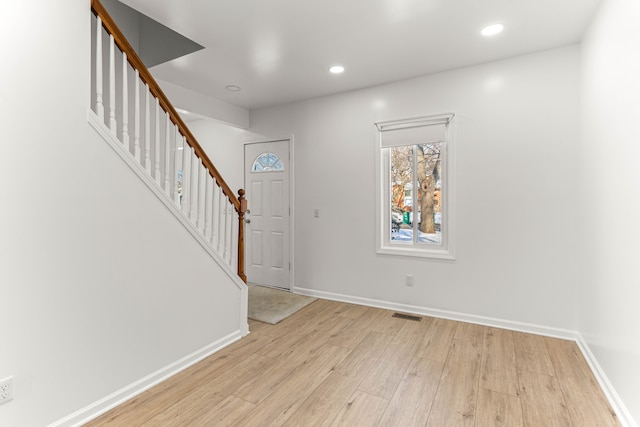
[[134, 116]]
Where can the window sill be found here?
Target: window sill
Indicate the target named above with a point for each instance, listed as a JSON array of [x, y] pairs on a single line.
[[415, 252]]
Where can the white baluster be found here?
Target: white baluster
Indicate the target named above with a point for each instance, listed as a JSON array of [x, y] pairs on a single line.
[[136, 135], [195, 164], [186, 179], [221, 221], [156, 152], [112, 85], [125, 102], [147, 131], [99, 100], [167, 154], [202, 196], [207, 205], [229, 221], [233, 260], [179, 176], [215, 214]]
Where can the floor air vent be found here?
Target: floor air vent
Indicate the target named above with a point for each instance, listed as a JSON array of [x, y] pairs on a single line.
[[407, 317]]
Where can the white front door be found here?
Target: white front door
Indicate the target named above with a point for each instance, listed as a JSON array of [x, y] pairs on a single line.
[[266, 180]]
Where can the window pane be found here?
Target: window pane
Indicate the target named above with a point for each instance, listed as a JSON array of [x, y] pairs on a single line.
[[402, 185], [428, 158], [267, 162]]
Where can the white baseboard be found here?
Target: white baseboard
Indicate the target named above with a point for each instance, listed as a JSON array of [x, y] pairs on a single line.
[[624, 416], [118, 397], [616, 403], [444, 314]]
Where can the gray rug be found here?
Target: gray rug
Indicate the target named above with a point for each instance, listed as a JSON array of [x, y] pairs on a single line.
[[271, 305]]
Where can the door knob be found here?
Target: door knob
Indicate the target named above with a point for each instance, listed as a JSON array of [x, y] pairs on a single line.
[[248, 221]]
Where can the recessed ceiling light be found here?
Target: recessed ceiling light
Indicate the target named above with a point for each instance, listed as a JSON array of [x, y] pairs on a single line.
[[233, 88], [336, 69], [492, 30]]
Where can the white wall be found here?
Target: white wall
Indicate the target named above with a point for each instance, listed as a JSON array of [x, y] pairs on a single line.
[[610, 184], [204, 105], [224, 144], [100, 285], [517, 123]]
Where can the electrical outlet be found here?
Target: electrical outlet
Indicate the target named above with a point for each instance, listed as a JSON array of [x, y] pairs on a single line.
[[408, 280], [6, 390]]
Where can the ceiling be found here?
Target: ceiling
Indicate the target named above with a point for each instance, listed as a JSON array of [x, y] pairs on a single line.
[[278, 51]]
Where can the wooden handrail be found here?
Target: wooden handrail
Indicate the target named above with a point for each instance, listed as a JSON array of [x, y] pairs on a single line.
[[239, 203], [137, 64]]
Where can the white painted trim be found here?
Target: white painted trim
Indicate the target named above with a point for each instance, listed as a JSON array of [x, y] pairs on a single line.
[[444, 314], [128, 392], [446, 250], [624, 416], [614, 399], [292, 204], [167, 200]]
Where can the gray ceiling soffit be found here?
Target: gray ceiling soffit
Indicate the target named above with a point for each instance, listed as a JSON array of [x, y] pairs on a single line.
[[152, 41]]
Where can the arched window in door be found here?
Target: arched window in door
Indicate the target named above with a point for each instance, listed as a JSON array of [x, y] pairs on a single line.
[[267, 162]]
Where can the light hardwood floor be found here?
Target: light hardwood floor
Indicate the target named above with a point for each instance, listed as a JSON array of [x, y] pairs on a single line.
[[337, 364]]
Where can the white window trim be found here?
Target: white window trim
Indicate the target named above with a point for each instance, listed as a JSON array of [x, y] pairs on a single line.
[[384, 245]]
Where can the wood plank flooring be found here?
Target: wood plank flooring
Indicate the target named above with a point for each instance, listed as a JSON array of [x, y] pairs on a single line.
[[338, 364]]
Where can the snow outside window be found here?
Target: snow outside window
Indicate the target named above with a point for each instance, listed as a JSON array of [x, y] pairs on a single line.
[[415, 209]]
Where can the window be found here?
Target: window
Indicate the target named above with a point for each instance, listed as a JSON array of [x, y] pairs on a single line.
[[415, 209], [267, 162]]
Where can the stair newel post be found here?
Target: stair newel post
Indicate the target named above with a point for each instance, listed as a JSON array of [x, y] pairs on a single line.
[[241, 212]]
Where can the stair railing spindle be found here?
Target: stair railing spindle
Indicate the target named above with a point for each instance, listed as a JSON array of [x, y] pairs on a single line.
[[167, 153], [112, 85], [178, 168], [228, 221], [193, 210], [136, 118], [186, 180], [147, 131], [215, 219], [221, 222], [125, 103], [156, 151], [207, 206], [99, 100]]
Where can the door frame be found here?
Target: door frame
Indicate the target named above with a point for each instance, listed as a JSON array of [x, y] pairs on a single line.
[[290, 173]]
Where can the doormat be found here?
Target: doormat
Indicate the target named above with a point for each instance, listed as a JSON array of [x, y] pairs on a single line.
[[272, 305]]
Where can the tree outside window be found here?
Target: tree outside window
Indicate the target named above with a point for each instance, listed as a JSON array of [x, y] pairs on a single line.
[[414, 174]]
